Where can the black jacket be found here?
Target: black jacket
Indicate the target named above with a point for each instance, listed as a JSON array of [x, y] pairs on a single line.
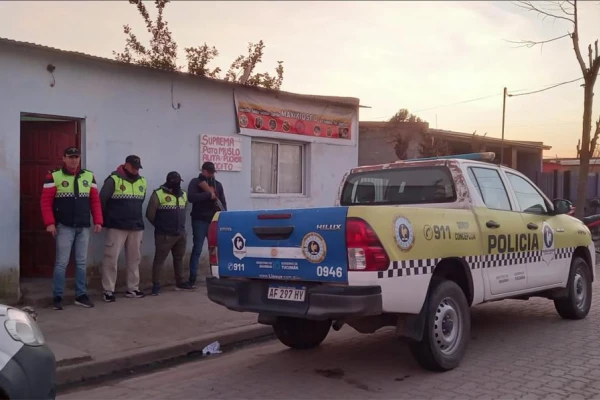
[[170, 221], [126, 213], [203, 208]]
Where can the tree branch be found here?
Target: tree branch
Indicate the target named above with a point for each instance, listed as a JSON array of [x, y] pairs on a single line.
[[529, 6], [594, 140], [575, 38], [560, 4], [532, 43]]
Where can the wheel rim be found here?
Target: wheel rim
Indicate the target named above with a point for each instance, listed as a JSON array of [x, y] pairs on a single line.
[[447, 327], [579, 290]]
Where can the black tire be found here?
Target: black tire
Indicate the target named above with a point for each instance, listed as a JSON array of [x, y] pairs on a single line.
[[446, 301], [578, 302], [301, 334]]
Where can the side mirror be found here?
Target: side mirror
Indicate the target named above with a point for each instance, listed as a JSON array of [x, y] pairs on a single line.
[[561, 206]]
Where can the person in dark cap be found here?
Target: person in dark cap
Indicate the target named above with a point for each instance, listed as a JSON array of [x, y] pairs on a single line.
[[122, 197], [69, 196], [204, 207], [166, 212]]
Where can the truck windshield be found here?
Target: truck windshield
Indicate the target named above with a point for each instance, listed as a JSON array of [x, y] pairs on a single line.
[[410, 185]]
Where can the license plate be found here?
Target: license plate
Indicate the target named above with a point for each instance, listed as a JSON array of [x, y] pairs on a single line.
[[286, 293]]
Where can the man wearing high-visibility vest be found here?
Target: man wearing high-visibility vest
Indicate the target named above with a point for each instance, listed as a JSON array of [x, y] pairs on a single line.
[[166, 212], [122, 197], [69, 196]]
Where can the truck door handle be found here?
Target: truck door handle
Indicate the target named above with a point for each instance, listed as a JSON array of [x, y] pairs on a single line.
[[532, 226], [492, 224]]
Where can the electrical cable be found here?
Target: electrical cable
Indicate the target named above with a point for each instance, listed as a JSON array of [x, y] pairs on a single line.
[[543, 90], [512, 94]]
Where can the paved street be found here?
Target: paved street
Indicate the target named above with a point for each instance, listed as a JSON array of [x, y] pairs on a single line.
[[519, 349]]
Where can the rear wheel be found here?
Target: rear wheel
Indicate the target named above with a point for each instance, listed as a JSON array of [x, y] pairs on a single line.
[[578, 302], [299, 333], [447, 328]]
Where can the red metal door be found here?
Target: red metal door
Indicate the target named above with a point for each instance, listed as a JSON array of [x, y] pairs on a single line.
[[42, 147]]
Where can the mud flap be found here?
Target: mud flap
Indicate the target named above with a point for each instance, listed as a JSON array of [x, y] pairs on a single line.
[[412, 326]]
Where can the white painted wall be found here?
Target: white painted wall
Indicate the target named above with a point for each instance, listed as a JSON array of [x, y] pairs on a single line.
[[128, 111]]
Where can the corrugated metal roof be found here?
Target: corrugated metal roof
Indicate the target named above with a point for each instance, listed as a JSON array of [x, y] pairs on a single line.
[[343, 101]]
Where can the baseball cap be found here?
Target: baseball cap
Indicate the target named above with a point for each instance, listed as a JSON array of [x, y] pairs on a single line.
[[174, 176], [208, 166], [72, 151], [135, 161]]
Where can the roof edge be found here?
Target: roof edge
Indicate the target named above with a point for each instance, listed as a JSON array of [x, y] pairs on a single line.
[[337, 100]]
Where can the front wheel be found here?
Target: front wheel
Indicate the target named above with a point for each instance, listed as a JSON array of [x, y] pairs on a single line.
[[301, 334], [447, 329], [578, 302]]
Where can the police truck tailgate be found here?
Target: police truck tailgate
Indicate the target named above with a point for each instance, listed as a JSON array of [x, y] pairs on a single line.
[[288, 245]]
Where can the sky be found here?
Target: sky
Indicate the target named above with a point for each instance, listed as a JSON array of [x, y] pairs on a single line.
[[423, 56]]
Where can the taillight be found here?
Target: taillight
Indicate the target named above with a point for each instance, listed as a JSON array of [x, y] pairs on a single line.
[[365, 251], [212, 243]]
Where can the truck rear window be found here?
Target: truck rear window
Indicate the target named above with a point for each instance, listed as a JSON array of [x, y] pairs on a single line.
[[410, 185]]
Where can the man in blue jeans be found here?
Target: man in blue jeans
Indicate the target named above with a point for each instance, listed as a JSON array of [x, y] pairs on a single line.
[[204, 207], [69, 196]]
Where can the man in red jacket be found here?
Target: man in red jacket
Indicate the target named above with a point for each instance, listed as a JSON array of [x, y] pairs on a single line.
[[69, 195]]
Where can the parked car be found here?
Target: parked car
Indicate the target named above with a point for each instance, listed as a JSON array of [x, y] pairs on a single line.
[[412, 244], [27, 365]]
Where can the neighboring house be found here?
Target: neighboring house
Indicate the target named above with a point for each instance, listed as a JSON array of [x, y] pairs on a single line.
[[569, 164], [377, 145], [272, 149]]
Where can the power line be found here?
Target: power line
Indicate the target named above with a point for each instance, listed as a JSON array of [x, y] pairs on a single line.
[[461, 102], [543, 90], [512, 94]]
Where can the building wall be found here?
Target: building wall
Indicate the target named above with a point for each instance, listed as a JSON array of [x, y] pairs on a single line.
[[128, 110], [376, 146], [529, 162]]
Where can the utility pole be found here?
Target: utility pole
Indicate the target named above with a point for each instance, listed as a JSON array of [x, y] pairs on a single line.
[[503, 119]]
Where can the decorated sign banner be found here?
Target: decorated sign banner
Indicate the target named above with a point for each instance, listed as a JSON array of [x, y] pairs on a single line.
[[224, 151], [266, 113]]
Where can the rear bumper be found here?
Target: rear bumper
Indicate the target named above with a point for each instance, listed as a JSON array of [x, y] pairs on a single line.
[[321, 302]]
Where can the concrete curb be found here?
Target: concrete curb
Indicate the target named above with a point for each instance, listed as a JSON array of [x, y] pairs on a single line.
[[98, 367]]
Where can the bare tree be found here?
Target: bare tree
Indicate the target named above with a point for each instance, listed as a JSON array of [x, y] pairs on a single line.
[[567, 11], [596, 148]]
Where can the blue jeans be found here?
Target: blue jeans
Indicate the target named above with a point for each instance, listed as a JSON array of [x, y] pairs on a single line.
[[66, 238], [200, 233]]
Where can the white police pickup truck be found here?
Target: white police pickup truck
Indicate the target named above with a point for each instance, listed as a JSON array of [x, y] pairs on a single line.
[[412, 244]]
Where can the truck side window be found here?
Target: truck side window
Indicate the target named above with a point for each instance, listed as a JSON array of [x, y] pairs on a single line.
[[529, 199], [490, 187]]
